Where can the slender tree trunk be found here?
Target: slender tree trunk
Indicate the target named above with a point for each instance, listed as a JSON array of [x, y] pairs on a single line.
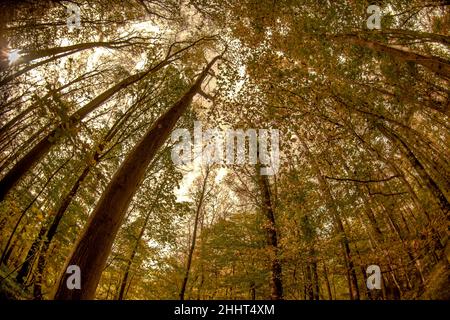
[[126, 274], [30, 55], [124, 282], [46, 241], [194, 236], [327, 281], [432, 63], [353, 280], [309, 283], [31, 255], [272, 237], [22, 215], [316, 279], [418, 167], [48, 238], [253, 290]]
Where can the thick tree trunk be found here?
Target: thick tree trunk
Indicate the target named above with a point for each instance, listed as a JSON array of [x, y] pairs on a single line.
[[93, 247]]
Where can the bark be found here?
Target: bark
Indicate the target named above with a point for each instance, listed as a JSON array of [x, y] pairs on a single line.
[[92, 248]]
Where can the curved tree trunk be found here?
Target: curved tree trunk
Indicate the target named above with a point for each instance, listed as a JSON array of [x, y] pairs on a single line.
[[93, 247]]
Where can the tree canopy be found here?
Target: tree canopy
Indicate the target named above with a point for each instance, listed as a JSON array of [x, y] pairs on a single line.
[[87, 170]]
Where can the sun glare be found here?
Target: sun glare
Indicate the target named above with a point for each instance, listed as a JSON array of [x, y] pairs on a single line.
[[13, 56]]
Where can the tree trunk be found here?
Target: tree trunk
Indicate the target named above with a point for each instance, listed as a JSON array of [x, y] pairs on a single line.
[[432, 63], [31, 255], [194, 236], [92, 248], [123, 284], [325, 190], [272, 237], [327, 281], [315, 278], [418, 167]]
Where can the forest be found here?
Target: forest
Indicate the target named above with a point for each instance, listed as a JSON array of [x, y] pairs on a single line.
[[224, 150]]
